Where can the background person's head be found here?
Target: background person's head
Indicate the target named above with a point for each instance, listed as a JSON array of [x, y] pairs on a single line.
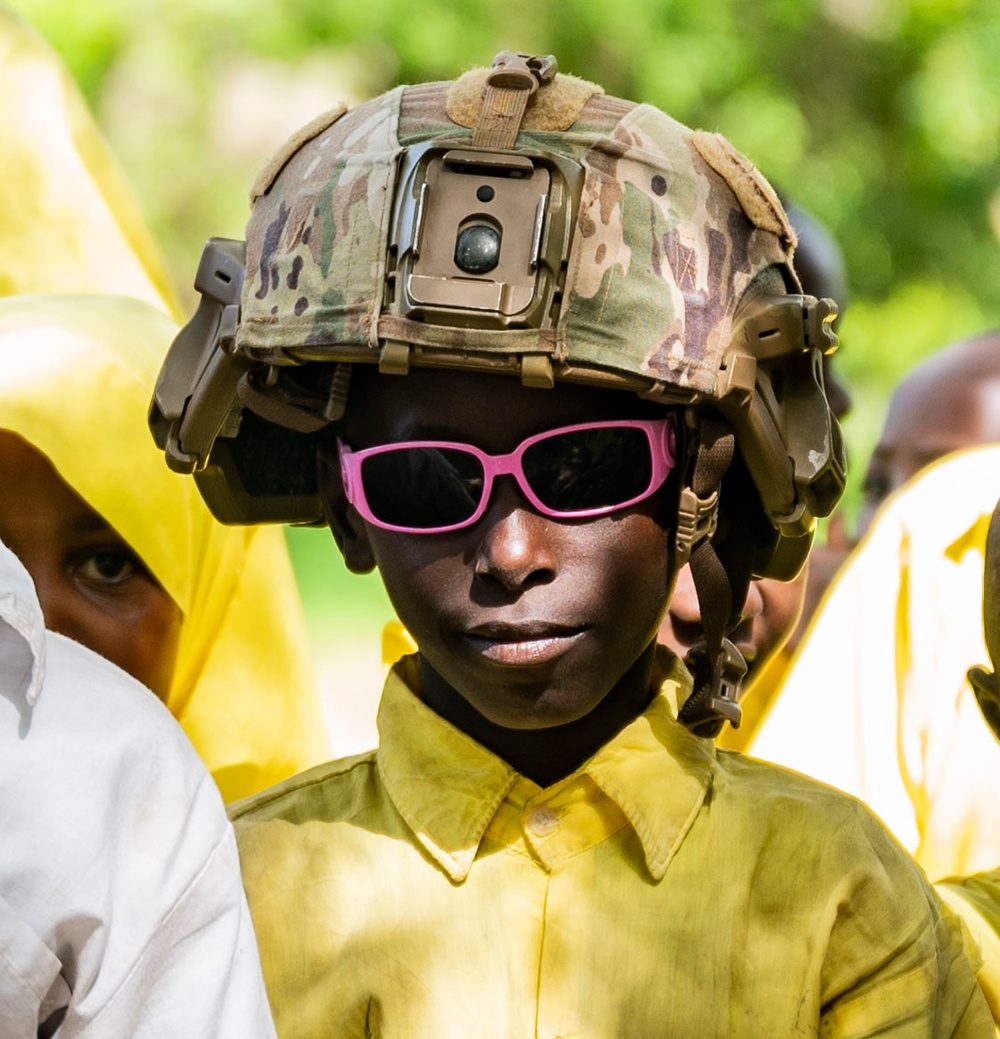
[[948, 402], [85, 508], [769, 615], [126, 557], [91, 585]]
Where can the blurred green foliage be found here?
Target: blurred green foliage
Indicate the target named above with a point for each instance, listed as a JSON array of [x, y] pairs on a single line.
[[881, 117]]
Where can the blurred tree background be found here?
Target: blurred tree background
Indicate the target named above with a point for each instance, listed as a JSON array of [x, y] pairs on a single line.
[[880, 117]]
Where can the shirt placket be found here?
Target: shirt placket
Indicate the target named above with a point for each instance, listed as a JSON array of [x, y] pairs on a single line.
[[558, 827]]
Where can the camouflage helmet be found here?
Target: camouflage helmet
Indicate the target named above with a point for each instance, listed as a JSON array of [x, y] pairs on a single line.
[[515, 221]]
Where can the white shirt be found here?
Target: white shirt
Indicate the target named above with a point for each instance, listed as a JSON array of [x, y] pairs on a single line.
[[876, 701], [121, 908]]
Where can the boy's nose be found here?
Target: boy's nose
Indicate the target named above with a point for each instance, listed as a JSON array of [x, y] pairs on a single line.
[[754, 605], [515, 549]]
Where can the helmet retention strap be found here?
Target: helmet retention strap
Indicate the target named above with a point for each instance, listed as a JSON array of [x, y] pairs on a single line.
[[509, 85], [716, 664]]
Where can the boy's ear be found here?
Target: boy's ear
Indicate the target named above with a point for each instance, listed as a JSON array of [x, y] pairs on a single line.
[[346, 525]]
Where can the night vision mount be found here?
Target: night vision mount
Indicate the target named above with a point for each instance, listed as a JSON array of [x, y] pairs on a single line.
[[251, 446]]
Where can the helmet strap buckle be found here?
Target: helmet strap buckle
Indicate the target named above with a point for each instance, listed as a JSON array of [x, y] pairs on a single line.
[[719, 686], [696, 520], [509, 85]]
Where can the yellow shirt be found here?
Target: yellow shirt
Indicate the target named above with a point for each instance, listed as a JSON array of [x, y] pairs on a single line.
[[977, 900], [426, 889]]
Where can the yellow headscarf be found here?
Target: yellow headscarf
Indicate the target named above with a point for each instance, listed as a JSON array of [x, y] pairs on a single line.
[[68, 218], [76, 376]]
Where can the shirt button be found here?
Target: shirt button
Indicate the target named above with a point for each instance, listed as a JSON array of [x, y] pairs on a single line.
[[542, 821]]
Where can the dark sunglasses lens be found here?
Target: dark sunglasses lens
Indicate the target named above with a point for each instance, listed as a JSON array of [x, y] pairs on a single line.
[[422, 487], [589, 469]]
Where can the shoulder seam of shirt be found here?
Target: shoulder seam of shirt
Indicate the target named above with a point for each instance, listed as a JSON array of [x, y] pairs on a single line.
[[338, 767]]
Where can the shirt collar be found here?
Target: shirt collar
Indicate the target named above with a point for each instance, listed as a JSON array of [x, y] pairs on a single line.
[[22, 633], [447, 787]]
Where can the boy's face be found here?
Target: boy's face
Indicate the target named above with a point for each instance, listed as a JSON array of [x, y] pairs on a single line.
[[532, 620], [92, 587], [769, 614]]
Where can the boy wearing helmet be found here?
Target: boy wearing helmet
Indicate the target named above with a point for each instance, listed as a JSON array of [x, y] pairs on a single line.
[[547, 346]]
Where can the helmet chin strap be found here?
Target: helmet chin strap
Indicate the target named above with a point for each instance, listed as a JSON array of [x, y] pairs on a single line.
[[715, 663]]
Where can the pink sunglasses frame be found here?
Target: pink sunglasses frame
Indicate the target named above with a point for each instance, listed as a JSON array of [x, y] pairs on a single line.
[[661, 435]]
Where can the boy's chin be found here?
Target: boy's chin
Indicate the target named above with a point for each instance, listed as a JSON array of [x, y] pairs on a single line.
[[541, 715], [515, 697]]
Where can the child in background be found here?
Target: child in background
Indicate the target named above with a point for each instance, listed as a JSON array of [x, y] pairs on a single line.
[[547, 345], [126, 557], [130, 563]]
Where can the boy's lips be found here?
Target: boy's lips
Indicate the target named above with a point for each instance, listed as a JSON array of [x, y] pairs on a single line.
[[525, 643]]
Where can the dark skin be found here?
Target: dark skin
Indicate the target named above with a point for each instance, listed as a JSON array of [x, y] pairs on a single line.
[[91, 585], [935, 410], [769, 613], [537, 636]]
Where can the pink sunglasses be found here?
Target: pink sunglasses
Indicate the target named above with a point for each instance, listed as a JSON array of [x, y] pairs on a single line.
[[434, 486]]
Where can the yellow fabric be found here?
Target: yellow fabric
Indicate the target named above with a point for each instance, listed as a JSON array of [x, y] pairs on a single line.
[[876, 700], [68, 219], [397, 642], [427, 889], [75, 382], [977, 900]]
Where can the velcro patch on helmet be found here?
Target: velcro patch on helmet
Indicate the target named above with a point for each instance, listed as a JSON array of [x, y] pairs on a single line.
[[277, 162], [554, 106], [759, 200]]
